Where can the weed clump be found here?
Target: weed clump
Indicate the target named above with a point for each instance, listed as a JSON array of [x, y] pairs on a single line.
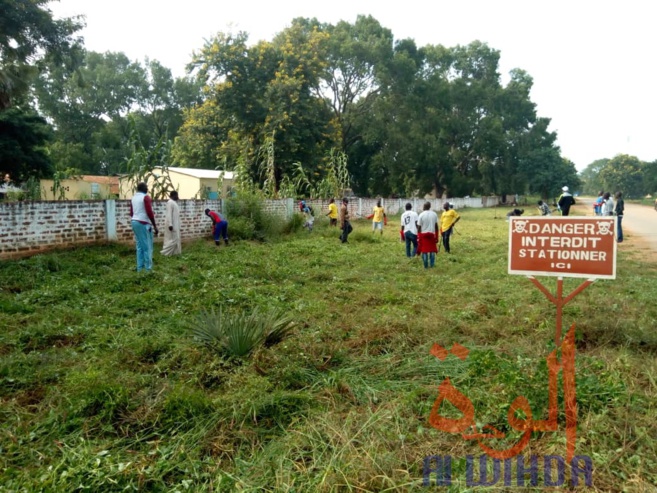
[[238, 334], [249, 220]]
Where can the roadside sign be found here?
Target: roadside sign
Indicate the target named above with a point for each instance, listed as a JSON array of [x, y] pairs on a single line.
[[563, 246]]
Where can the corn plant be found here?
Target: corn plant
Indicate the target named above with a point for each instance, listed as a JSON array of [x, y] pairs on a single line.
[[140, 165], [268, 167]]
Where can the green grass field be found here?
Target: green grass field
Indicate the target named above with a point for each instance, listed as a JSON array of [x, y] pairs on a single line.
[[103, 388]]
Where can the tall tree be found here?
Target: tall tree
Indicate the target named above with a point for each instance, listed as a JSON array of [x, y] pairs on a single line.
[[162, 100], [590, 176], [89, 105], [541, 162], [406, 123], [28, 34], [650, 178], [81, 103], [23, 136], [261, 95], [624, 173]]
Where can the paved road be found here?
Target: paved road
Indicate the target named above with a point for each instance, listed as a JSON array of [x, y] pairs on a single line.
[[639, 221]]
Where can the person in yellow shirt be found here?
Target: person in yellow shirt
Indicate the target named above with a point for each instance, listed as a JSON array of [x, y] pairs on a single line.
[[332, 213], [377, 217], [448, 219]]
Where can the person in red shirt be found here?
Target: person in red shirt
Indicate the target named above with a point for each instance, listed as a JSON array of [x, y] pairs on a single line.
[[219, 227], [142, 218]]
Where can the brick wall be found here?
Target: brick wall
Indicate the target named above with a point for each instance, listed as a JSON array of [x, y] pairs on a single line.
[[28, 227], [280, 207], [363, 207]]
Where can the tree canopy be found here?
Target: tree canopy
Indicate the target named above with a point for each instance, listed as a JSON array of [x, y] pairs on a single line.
[[29, 33], [622, 173], [399, 118]]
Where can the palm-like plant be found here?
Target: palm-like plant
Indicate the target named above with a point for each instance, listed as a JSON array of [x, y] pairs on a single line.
[[238, 334]]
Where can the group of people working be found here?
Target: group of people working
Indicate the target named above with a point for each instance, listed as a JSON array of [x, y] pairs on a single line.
[[144, 226], [604, 205], [422, 232]]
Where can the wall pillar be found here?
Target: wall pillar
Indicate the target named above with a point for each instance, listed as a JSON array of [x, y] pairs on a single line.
[[289, 208], [110, 220]]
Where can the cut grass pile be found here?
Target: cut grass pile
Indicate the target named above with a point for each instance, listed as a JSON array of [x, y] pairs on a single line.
[[102, 387]]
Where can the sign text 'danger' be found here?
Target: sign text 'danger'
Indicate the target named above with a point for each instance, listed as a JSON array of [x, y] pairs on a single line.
[[563, 246]]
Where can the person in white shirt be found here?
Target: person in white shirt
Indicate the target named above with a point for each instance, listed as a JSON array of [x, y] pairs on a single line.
[[172, 241], [607, 205], [143, 225], [427, 235], [409, 230]]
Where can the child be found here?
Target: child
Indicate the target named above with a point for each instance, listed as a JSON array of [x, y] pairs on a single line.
[[378, 218], [332, 213], [597, 205]]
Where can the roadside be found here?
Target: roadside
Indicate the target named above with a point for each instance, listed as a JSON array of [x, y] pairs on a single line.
[[639, 227]]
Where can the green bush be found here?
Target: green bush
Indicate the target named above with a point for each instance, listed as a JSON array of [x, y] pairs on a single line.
[[246, 215], [241, 228], [294, 224]]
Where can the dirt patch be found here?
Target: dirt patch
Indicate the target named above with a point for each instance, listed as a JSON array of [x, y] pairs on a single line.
[[5, 349], [53, 341], [640, 248], [31, 398]]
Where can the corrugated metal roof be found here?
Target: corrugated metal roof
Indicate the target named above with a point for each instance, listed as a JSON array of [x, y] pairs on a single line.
[[112, 180], [204, 173]]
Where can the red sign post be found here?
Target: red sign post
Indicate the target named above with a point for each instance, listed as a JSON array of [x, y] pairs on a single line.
[[549, 246], [563, 247]]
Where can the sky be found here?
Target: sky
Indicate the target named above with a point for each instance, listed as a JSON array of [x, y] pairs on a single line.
[[593, 63]]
